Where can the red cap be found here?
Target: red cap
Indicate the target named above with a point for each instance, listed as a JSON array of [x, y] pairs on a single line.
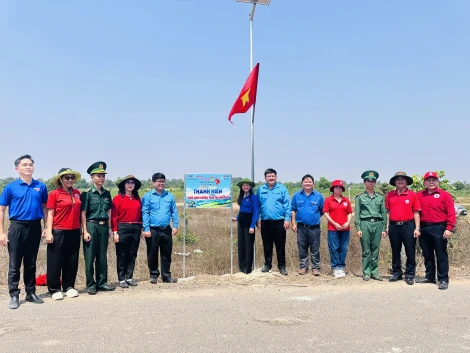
[[337, 183], [430, 175]]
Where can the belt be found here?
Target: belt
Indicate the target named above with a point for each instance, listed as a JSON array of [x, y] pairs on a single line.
[[307, 226], [429, 224], [98, 222], [161, 228], [26, 222], [371, 220], [130, 223], [400, 223]]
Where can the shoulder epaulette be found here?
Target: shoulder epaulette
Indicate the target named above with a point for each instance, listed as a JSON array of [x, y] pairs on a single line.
[[359, 194]]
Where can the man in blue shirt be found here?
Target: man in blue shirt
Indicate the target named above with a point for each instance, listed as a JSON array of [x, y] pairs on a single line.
[[158, 208], [307, 208], [275, 213], [26, 200]]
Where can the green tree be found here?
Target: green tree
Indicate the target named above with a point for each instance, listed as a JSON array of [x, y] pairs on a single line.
[[322, 184], [458, 185], [383, 188]]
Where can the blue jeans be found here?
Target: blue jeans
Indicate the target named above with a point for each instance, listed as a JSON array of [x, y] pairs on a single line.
[[338, 242]]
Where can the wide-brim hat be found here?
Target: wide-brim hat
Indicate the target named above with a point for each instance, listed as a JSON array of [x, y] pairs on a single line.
[[65, 171], [138, 184], [409, 180], [246, 181], [431, 175], [370, 174], [337, 183], [97, 168]]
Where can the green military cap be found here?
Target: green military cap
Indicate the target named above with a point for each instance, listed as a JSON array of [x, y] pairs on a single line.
[[97, 168], [370, 174], [409, 180]]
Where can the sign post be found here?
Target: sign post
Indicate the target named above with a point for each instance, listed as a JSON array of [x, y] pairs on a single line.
[[207, 191]]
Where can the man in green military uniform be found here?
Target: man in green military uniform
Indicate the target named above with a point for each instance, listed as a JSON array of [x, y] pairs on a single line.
[[96, 226], [370, 219]]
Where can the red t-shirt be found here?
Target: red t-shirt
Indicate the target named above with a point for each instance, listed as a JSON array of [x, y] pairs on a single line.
[[437, 207], [126, 209], [338, 211], [66, 208], [401, 207]]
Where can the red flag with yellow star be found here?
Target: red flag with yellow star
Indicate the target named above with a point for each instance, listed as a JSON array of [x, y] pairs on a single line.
[[247, 96]]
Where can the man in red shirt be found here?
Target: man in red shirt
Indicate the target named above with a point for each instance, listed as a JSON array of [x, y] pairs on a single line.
[[403, 217], [437, 223]]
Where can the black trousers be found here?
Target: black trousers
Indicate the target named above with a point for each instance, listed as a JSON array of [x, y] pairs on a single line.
[[126, 249], [62, 258], [162, 239], [273, 232], [403, 235], [432, 242], [23, 246], [246, 241]]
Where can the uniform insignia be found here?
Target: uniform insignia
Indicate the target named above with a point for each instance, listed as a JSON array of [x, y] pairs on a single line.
[[371, 174], [101, 166], [436, 196], [345, 203], [76, 196], [407, 201], [37, 189]]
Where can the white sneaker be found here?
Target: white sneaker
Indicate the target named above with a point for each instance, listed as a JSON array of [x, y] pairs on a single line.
[[341, 274], [57, 296], [71, 293], [336, 273]]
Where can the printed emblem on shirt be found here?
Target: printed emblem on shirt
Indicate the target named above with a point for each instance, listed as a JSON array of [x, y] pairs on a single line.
[[76, 196], [37, 189], [407, 201], [345, 203], [436, 196]]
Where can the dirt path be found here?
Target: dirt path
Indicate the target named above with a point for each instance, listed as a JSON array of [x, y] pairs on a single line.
[[258, 313]]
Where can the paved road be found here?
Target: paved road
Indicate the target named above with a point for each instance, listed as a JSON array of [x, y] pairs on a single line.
[[348, 316]]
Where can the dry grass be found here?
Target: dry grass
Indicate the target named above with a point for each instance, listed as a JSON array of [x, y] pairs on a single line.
[[212, 227]]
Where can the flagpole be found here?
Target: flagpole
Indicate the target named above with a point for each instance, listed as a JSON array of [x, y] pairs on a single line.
[[252, 144]]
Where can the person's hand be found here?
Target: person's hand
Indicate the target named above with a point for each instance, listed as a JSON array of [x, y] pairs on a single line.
[[3, 239], [286, 225], [337, 226], [116, 237], [359, 233], [447, 234], [417, 233], [345, 225], [233, 219], [49, 238], [146, 234], [44, 233], [258, 224], [251, 231], [174, 231], [294, 227], [86, 236], [384, 234]]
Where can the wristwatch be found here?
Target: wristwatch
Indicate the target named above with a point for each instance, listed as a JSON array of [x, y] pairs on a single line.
[[115, 233], [418, 229]]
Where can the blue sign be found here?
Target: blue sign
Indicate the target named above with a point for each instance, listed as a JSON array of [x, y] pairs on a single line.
[[208, 190]]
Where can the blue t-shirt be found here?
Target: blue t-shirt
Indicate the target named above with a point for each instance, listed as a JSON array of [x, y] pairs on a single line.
[[251, 205], [24, 201]]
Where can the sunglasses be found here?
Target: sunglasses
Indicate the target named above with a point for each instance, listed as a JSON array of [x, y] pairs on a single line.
[[69, 177], [130, 182]]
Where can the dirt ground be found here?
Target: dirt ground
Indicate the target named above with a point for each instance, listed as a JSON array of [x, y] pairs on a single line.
[[254, 313]]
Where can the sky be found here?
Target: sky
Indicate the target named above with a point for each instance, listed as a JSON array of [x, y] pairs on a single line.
[[147, 86]]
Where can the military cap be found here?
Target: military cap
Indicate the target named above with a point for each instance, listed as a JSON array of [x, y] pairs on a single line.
[[409, 180], [97, 168], [370, 174]]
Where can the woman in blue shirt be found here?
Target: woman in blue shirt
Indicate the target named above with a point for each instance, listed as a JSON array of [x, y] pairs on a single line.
[[247, 217]]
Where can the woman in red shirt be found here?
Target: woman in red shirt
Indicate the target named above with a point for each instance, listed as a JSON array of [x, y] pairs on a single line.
[[126, 221], [338, 211], [63, 235]]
